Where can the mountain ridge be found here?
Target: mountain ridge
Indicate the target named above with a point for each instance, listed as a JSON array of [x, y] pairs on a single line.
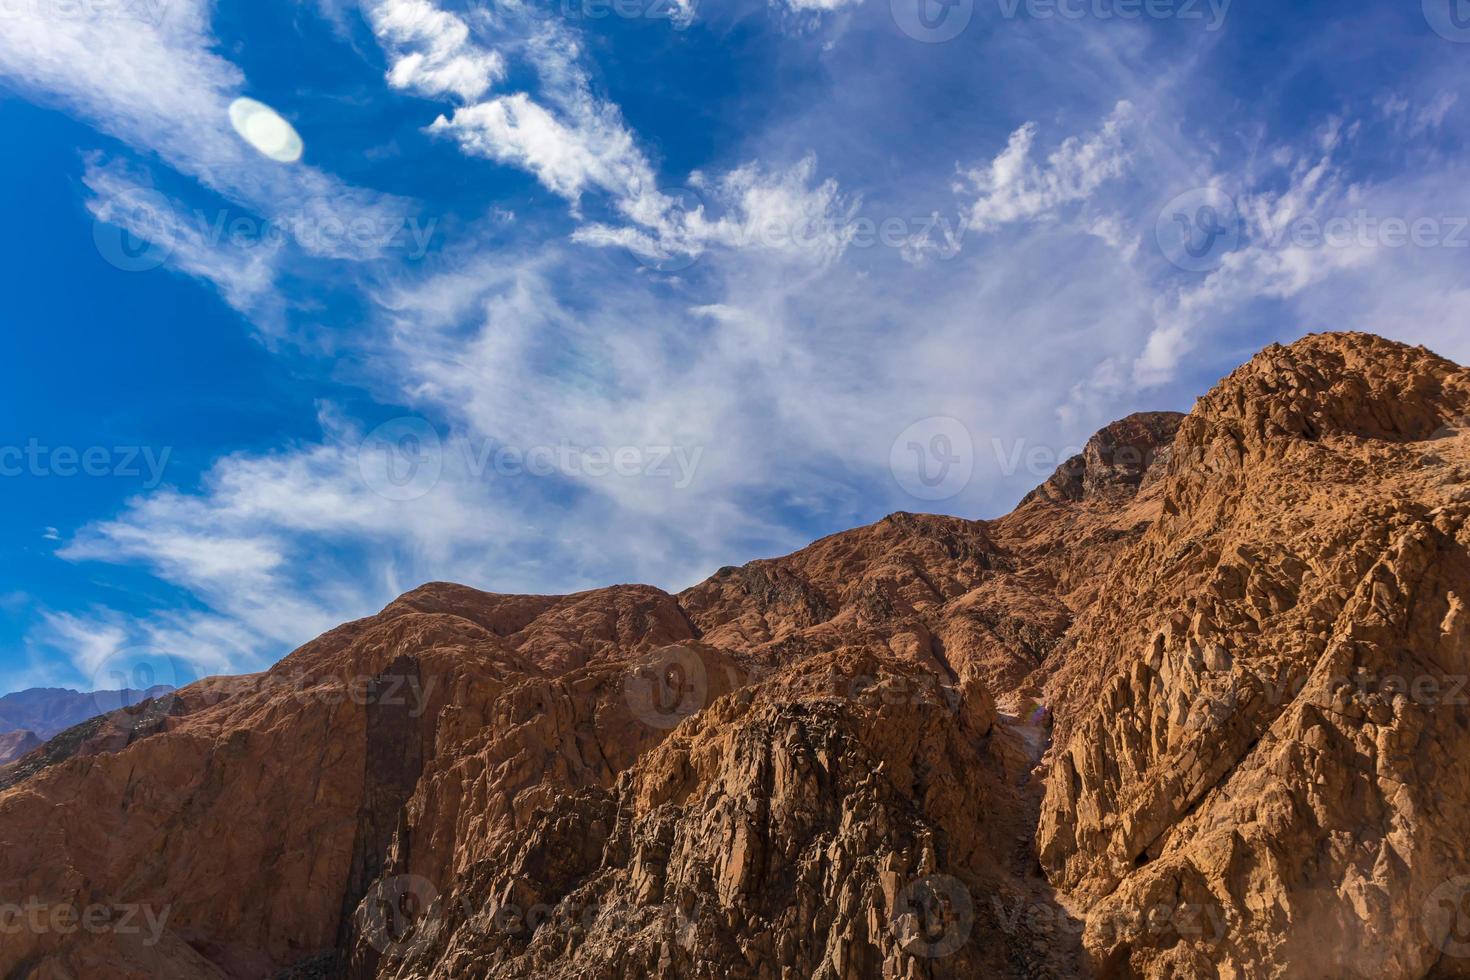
[[927, 747]]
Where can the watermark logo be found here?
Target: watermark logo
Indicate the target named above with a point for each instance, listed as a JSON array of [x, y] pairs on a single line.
[[131, 676], [405, 458], [405, 691], [1197, 229], [933, 459], [1450, 19], [140, 230], [392, 909], [40, 917], [684, 212], [136, 234], [1211, 12], [679, 14], [666, 687], [1213, 704], [150, 12], [933, 916], [39, 461], [402, 459], [932, 21], [569, 917], [1446, 917]]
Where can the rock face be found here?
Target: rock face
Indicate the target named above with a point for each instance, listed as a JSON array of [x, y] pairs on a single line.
[[1197, 708], [1284, 738]]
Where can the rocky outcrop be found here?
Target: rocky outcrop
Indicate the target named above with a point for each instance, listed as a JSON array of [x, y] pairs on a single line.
[[1115, 460], [1280, 734], [1196, 708]]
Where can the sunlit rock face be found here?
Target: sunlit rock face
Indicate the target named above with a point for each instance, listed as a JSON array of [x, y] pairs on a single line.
[[1196, 708]]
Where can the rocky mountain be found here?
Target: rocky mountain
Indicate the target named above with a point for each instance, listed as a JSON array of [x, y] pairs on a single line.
[[48, 711], [1196, 708], [16, 744]]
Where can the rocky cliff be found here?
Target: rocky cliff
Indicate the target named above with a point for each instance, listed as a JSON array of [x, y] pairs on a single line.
[[1197, 708]]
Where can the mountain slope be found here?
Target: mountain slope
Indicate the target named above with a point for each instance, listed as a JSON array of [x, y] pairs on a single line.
[[48, 711], [16, 744], [840, 763]]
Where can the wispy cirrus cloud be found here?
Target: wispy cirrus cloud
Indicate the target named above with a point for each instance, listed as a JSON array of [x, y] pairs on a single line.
[[1014, 187], [733, 313]]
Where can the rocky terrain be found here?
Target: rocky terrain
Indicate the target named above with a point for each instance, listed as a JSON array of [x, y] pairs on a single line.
[[1196, 708]]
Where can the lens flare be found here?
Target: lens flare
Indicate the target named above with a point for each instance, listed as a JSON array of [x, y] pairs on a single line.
[[264, 128]]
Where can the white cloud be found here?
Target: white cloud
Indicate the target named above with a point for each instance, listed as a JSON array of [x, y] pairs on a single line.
[[88, 642], [244, 276], [1272, 262], [432, 53], [591, 148], [1013, 187], [156, 83], [789, 364], [784, 213], [818, 6]]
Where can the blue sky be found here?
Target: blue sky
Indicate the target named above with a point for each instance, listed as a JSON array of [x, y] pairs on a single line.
[[571, 293]]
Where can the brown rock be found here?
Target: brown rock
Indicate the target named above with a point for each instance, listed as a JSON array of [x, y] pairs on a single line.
[[1196, 708]]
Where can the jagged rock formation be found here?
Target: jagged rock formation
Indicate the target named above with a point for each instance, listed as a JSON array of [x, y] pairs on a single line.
[[1281, 666], [1190, 711]]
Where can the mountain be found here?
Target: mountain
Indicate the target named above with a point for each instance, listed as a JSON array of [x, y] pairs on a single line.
[[13, 745], [49, 711], [1196, 708]]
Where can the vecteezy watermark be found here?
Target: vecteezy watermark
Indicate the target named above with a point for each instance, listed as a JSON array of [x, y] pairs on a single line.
[[140, 230], [686, 210], [512, 919], [1450, 19], [1378, 696], [1197, 230], [39, 461], [666, 686], [405, 458], [932, 21], [692, 228], [1196, 920], [130, 676], [1211, 13], [679, 15], [393, 910], [407, 691], [933, 459], [402, 459], [933, 916], [401, 911], [935, 21], [907, 233], [150, 12], [40, 917], [1446, 917]]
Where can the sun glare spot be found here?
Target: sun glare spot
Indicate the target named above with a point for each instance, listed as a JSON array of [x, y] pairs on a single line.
[[265, 129]]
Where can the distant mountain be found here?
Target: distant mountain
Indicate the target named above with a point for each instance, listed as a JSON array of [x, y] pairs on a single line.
[[49, 711], [16, 744]]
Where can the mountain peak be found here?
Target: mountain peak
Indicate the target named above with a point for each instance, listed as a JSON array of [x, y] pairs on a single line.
[[1117, 459]]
